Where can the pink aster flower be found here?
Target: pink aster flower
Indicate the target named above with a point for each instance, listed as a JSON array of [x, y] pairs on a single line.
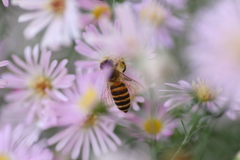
[[93, 133], [199, 95], [3, 82], [5, 3], [95, 11], [59, 17], [122, 40], [85, 127], [36, 81], [159, 19], [13, 146], [154, 124]]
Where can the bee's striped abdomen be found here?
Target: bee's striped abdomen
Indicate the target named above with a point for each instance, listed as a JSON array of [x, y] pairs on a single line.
[[121, 96]]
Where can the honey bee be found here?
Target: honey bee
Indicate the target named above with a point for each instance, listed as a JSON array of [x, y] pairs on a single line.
[[119, 85]]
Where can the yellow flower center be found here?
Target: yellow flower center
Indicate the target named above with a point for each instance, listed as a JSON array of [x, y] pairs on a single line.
[[39, 84], [153, 126], [203, 92], [91, 120], [101, 10], [4, 157], [88, 100], [153, 13], [57, 6]]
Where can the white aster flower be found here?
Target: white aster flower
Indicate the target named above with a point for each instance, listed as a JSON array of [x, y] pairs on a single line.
[[59, 17]]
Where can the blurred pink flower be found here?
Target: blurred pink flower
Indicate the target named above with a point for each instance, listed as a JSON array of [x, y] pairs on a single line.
[[13, 146], [15, 113], [95, 11], [155, 123], [36, 81], [59, 17], [3, 82], [28, 134], [213, 53], [93, 133], [83, 97], [85, 128], [199, 95], [163, 24], [122, 40], [5, 3]]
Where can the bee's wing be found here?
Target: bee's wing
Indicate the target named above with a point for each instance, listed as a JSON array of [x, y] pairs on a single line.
[[133, 86], [107, 96]]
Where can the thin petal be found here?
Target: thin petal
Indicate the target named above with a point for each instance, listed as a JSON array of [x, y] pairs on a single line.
[[100, 140], [111, 134], [36, 26], [86, 148], [4, 63], [85, 50], [61, 144], [28, 55], [57, 94], [60, 135], [70, 145], [94, 143], [77, 148], [60, 67], [36, 53]]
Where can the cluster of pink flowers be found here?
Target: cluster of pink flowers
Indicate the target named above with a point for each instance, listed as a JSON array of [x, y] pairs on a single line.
[[44, 95], [79, 107]]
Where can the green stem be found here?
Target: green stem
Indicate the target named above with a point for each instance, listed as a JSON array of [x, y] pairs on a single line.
[[113, 3], [153, 149], [205, 140], [188, 136], [71, 55]]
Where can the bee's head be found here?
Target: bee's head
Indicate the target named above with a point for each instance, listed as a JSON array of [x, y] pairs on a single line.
[[118, 64], [107, 63]]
